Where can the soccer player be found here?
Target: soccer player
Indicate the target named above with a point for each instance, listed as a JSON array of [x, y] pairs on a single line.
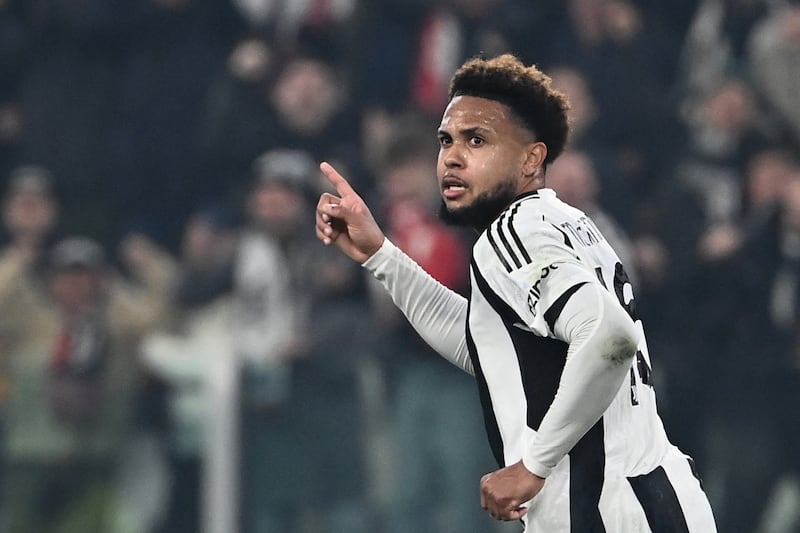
[[549, 329]]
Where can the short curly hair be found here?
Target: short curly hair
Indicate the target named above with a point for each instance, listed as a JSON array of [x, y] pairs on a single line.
[[524, 89]]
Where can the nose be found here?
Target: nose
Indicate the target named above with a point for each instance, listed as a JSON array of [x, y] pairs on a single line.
[[452, 157]]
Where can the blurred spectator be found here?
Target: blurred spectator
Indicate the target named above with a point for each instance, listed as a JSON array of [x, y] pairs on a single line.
[[301, 430], [437, 451], [190, 352], [414, 46], [29, 215], [320, 26], [753, 393], [715, 44], [328, 401], [30, 211], [723, 134], [616, 193], [627, 58], [574, 179], [146, 111], [768, 171], [73, 405], [266, 100], [678, 249], [773, 58], [312, 111], [236, 118], [267, 314]]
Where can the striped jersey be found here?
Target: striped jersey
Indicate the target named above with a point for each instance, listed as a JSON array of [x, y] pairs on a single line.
[[623, 475]]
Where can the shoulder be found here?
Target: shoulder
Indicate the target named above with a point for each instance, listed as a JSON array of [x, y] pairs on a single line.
[[530, 231]]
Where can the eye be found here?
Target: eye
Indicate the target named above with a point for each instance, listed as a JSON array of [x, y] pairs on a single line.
[[445, 140], [476, 141]]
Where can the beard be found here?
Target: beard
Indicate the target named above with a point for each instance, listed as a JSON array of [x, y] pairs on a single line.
[[482, 212]]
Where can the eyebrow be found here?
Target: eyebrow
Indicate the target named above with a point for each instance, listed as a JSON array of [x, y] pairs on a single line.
[[468, 132]]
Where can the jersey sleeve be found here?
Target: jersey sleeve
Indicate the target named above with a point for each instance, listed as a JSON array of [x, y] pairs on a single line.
[[437, 313], [602, 341], [548, 268]]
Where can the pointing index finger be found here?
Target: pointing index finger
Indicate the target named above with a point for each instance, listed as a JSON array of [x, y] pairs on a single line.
[[336, 179]]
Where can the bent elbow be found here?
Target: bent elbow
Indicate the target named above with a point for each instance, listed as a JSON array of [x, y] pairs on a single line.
[[622, 345]]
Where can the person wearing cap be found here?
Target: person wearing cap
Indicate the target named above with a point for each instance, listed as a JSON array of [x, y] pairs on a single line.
[[29, 212], [301, 416], [71, 344]]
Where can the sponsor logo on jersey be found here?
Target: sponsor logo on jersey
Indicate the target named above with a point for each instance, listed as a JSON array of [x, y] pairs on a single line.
[[535, 291]]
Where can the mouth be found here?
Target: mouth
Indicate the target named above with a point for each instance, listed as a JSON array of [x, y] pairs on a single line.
[[453, 187]]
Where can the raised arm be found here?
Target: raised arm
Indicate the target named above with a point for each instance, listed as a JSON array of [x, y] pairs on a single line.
[[436, 313]]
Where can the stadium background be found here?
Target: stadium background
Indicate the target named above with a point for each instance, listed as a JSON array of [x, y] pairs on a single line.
[[177, 135]]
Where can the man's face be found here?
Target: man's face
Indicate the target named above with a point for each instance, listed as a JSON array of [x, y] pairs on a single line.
[[29, 214], [306, 96], [483, 152], [75, 289], [277, 209]]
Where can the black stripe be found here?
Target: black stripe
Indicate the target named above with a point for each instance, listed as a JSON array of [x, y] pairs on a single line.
[[541, 359], [659, 502], [587, 463], [515, 236], [554, 311], [497, 250], [505, 241], [489, 418]]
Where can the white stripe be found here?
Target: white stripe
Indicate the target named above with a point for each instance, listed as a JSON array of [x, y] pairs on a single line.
[[502, 373], [694, 503]]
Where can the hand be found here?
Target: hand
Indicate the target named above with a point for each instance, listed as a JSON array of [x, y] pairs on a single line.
[[505, 491], [138, 251], [346, 219]]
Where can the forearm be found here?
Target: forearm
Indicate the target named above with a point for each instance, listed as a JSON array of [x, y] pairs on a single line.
[[437, 313], [602, 342]]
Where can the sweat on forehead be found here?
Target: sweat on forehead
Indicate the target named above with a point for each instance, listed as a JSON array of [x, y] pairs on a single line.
[[524, 89], [510, 109], [480, 112], [478, 116]]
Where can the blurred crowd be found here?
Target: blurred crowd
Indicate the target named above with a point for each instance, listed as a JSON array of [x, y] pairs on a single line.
[[178, 354]]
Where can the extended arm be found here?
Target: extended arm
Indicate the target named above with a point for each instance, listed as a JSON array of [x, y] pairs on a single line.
[[437, 313]]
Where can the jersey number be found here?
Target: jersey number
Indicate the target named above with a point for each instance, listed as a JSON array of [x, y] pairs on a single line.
[[641, 367]]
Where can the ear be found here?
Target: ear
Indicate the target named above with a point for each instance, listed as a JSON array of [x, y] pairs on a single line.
[[537, 152]]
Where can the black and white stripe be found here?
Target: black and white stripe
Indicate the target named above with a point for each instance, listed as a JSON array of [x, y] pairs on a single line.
[[505, 240], [540, 364], [519, 363], [659, 502]]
